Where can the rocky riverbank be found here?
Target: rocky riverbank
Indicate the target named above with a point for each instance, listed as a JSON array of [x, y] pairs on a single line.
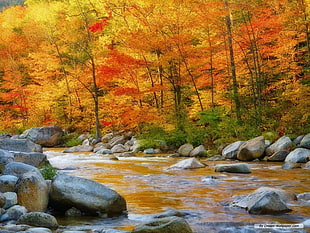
[[74, 196]]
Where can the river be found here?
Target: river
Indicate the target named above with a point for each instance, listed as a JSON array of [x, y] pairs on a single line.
[[149, 188]]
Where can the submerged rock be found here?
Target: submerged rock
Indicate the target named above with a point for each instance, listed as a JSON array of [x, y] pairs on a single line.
[[233, 168], [164, 225]]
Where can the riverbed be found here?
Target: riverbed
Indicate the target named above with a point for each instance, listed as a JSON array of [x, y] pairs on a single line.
[[149, 188]]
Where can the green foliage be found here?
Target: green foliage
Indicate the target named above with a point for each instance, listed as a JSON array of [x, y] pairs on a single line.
[[271, 136], [70, 140], [48, 172]]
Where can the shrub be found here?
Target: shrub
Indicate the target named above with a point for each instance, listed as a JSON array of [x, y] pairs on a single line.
[[48, 172], [70, 140]]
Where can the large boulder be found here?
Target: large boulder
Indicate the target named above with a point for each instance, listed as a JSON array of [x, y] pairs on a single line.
[[305, 142], [233, 168], [20, 145], [19, 169], [5, 158], [230, 151], [38, 219], [299, 155], [278, 156], [35, 159], [185, 149], [265, 202], [88, 196], [32, 185], [164, 225], [283, 143], [252, 149], [190, 163], [48, 136], [285, 195], [198, 151]]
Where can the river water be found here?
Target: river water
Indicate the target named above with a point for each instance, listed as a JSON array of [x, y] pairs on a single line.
[[150, 188]]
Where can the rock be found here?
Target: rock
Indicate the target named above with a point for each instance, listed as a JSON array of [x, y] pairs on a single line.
[[80, 148], [278, 156], [304, 196], [299, 155], [107, 137], [8, 183], [5, 158], [190, 163], [230, 151], [170, 213], [20, 145], [86, 195], [38, 230], [11, 199], [307, 165], [19, 169], [103, 151], [306, 223], [112, 231], [73, 212], [13, 213], [136, 146], [45, 136], [2, 200], [233, 168], [117, 140], [266, 202], [164, 225], [305, 142], [198, 151], [283, 143], [119, 148], [289, 165], [32, 185], [38, 219], [216, 158], [149, 151], [251, 149], [298, 140], [185, 149], [285, 195], [34, 158]]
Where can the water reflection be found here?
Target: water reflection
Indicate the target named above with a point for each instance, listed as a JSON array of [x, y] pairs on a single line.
[[149, 188]]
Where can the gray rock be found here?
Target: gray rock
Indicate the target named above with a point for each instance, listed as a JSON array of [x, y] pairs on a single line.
[[305, 142], [216, 158], [198, 151], [20, 145], [266, 202], [285, 195], [8, 183], [2, 200], [306, 223], [307, 165], [230, 151], [299, 155], [252, 149], [136, 146], [34, 159], [13, 213], [233, 168], [278, 156], [149, 151], [38, 230], [107, 137], [86, 195], [80, 148], [32, 185], [119, 148], [5, 158], [304, 196], [103, 151], [289, 165], [117, 140], [283, 143], [164, 225], [170, 213], [112, 231], [11, 199], [73, 212], [185, 149], [19, 169], [190, 163], [38, 219], [45, 136], [298, 140]]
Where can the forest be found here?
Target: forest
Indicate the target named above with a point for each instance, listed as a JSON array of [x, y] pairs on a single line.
[[200, 71]]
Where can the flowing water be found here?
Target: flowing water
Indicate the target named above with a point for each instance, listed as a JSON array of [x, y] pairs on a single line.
[[150, 188]]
